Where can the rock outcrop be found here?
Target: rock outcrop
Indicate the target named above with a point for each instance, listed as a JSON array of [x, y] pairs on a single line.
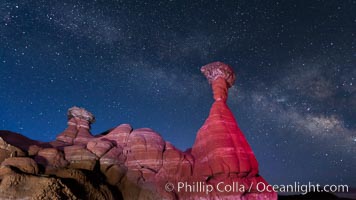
[[127, 163]]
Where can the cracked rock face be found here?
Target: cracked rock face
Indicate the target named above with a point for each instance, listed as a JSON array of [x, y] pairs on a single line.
[[127, 163]]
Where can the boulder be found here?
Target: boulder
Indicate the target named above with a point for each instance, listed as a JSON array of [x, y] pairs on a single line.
[[80, 158], [99, 146], [7, 150], [24, 164], [145, 150], [51, 158], [115, 156], [120, 134]]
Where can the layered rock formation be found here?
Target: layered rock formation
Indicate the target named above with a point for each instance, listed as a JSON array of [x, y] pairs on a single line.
[[127, 163]]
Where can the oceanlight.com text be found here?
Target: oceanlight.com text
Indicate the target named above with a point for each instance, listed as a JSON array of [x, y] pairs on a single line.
[[297, 187], [221, 187]]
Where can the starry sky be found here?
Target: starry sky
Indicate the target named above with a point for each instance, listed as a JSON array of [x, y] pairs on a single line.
[[138, 62]]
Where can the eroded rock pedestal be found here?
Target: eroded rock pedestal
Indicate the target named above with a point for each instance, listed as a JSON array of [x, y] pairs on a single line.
[[123, 163]]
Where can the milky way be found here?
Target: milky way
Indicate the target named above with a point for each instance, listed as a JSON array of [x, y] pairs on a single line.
[[139, 62]]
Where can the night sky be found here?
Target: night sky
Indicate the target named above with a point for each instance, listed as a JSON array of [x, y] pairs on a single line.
[[138, 62]]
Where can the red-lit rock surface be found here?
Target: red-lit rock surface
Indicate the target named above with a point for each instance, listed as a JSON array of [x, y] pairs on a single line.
[[126, 163]]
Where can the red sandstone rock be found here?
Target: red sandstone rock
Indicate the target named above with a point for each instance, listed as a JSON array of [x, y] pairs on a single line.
[[51, 158], [79, 157], [78, 126], [83, 135], [146, 149], [135, 164], [68, 135], [220, 146], [120, 134], [115, 156], [176, 164], [99, 147], [221, 149]]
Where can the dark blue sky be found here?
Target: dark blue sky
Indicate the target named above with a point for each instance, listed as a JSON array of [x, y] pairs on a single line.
[[138, 62]]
